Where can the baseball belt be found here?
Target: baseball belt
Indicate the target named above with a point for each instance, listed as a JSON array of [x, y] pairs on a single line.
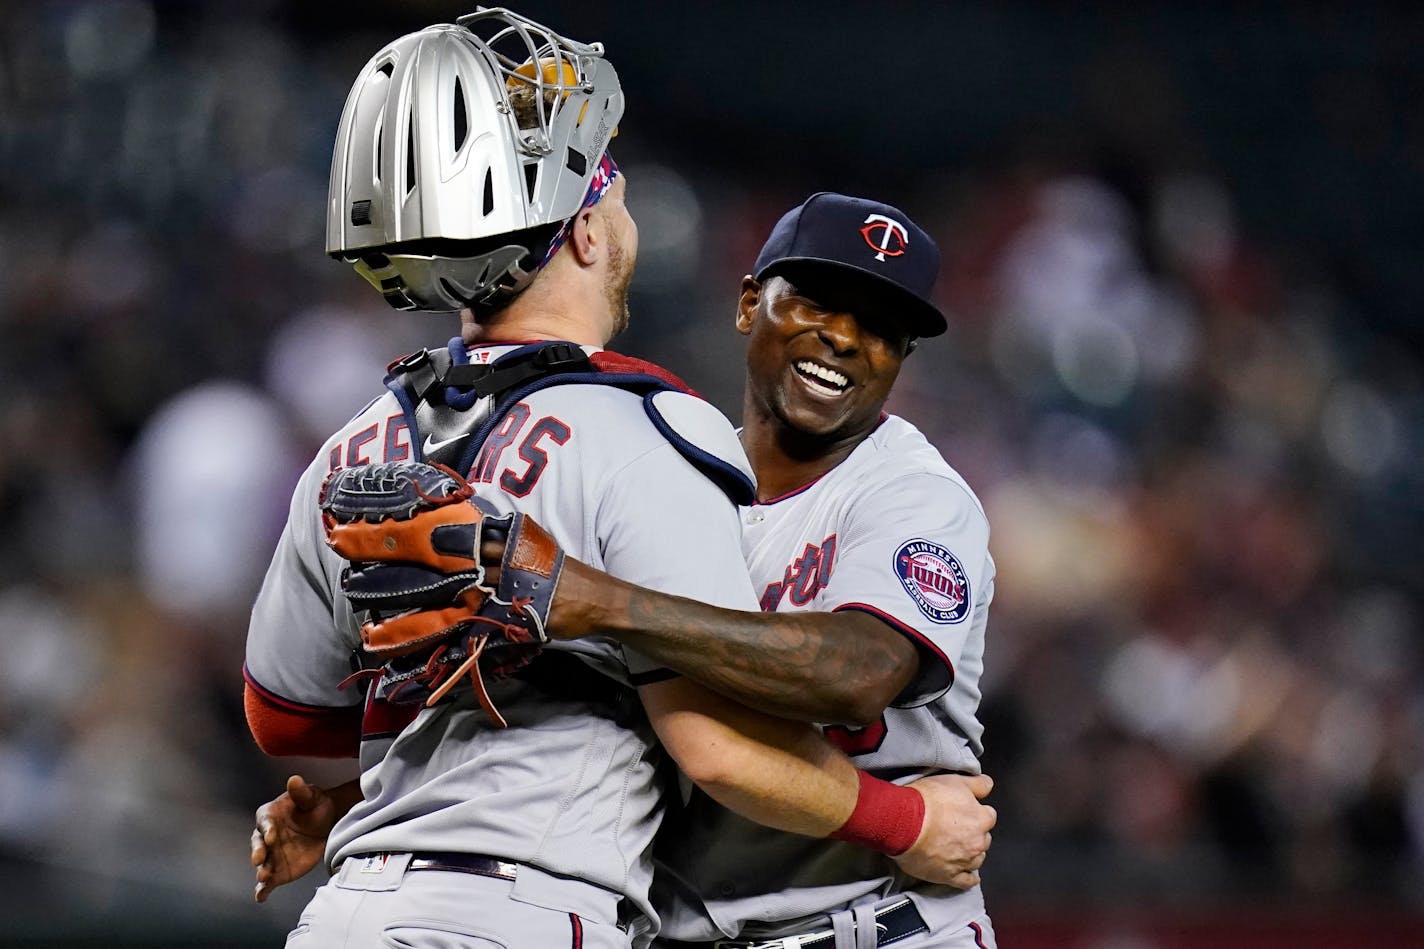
[[892, 923], [475, 863]]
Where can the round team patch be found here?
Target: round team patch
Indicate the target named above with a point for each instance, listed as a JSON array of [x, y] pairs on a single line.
[[934, 580]]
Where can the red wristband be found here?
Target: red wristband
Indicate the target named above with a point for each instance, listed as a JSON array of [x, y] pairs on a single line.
[[887, 817]]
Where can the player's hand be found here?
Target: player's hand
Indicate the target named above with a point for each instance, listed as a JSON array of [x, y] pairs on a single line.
[[583, 592], [491, 556], [290, 836], [955, 838]]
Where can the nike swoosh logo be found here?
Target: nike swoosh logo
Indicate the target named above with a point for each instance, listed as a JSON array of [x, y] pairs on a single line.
[[432, 446]]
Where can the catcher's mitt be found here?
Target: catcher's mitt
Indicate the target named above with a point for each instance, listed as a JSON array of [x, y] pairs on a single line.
[[412, 533]]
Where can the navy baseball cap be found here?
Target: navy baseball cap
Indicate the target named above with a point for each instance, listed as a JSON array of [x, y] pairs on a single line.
[[858, 254]]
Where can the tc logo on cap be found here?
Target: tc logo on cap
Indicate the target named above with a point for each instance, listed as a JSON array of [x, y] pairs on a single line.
[[892, 237]]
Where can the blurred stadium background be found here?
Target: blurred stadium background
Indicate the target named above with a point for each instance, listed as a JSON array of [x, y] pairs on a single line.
[[1183, 252]]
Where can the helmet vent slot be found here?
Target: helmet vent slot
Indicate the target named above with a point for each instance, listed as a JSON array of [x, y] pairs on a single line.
[[410, 154], [531, 178], [462, 118], [451, 291], [489, 192], [576, 162], [388, 68]]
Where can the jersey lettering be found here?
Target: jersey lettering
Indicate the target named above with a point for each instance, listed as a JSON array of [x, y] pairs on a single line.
[[538, 459], [397, 449], [356, 446], [532, 450], [814, 571], [858, 741], [497, 441], [804, 577], [395, 444]]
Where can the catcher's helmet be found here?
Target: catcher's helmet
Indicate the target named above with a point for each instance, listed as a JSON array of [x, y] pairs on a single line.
[[461, 149]]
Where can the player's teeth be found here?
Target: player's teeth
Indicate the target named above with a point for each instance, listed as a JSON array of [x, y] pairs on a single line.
[[821, 372]]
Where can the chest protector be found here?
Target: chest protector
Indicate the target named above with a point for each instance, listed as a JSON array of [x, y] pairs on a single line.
[[451, 405]]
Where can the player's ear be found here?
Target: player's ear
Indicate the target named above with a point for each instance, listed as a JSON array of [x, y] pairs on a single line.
[[747, 304], [586, 237]]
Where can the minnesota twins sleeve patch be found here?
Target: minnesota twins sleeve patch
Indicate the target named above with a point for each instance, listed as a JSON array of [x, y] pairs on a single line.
[[934, 579]]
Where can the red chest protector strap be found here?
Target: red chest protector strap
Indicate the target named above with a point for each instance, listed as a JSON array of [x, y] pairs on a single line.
[[451, 405]]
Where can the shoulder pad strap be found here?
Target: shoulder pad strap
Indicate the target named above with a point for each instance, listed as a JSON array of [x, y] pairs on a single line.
[[517, 368], [704, 437], [418, 372]]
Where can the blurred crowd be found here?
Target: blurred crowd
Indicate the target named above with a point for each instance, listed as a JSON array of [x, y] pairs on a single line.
[[1200, 462], [1204, 488]]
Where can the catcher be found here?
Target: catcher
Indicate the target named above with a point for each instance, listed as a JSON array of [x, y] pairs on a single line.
[[448, 192]]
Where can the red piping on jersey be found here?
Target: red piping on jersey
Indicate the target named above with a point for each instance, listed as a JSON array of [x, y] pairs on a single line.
[[915, 636], [578, 930], [884, 417], [793, 492], [285, 703], [978, 936], [283, 727]]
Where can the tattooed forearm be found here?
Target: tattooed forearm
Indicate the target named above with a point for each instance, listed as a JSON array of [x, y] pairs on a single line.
[[832, 668], [840, 668]]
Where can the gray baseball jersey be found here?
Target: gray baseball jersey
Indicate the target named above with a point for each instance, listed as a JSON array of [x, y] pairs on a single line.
[[895, 532], [570, 786]]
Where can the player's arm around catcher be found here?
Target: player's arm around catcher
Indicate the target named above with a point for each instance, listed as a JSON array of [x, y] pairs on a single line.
[[831, 668], [779, 773], [757, 764]]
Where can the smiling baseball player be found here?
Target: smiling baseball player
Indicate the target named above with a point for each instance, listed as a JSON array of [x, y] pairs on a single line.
[[857, 514]]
